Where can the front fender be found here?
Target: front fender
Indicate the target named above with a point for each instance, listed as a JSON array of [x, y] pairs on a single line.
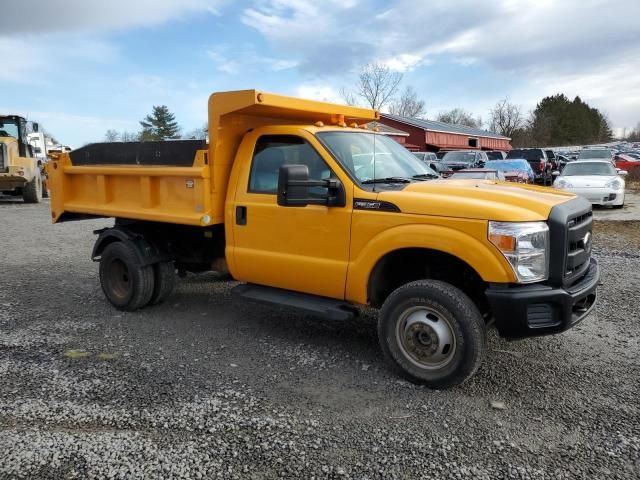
[[483, 257]]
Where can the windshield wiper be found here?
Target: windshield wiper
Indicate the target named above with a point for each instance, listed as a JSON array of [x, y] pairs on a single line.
[[422, 176], [387, 180]]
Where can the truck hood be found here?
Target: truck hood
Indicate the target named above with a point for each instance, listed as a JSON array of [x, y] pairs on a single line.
[[477, 199]]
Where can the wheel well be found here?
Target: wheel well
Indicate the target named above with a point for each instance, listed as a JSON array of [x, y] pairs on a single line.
[[400, 267]]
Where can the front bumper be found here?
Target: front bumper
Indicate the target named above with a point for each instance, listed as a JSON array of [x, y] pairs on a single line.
[[533, 310], [11, 180], [599, 195]]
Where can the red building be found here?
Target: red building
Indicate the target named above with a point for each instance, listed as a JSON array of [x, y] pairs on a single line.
[[432, 136]]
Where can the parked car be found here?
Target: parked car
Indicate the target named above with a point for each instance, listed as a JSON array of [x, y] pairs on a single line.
[[426, 157], [496, 155], [595, 154], [518, 170], [562, 161], [553, 158], [479, 174], [538, 160], [626, 162], [461, 159], [596, 180]]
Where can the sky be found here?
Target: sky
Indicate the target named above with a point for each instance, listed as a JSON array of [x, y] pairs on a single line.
[[80, 67]]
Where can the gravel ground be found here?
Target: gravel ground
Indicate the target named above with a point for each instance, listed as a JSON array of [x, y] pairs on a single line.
[[200, 387]]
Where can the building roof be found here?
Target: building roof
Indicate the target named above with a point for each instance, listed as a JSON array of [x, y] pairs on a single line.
[[386, 129], [435, 126]]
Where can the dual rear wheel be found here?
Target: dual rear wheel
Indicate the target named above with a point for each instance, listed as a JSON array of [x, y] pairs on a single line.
[[129, 285]]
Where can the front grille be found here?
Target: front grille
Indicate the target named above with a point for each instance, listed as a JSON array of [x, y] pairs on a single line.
[[570, 228]]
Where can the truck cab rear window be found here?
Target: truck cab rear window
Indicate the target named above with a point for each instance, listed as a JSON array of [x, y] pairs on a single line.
[[273, 151]]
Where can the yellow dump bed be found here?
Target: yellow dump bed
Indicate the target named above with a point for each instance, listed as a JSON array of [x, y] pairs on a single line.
[[184, 181]]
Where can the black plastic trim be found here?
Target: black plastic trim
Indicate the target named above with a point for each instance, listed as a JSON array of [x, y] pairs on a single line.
[[567, 307], [324, 307], [376, 205]]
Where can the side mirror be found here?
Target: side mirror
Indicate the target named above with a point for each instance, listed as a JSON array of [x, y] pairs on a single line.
[[294, 189], [555, 173], [35, 127], [622, 172]]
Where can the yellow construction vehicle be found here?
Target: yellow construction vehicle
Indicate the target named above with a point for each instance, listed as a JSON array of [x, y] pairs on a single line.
[[310, 210], [20, 170]]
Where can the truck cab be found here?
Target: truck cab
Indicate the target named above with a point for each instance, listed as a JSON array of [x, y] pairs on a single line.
[[307, 209], [19, 169]]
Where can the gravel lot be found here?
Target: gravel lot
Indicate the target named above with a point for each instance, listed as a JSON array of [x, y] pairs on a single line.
[[202, 388]]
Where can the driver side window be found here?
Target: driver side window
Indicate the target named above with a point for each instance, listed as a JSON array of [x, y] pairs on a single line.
[[273, 151]]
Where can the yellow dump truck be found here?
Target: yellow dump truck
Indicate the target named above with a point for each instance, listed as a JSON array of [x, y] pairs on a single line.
[[20, 170], [309, 210]]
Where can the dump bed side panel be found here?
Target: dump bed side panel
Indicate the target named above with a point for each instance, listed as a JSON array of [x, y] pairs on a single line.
[[157, 181]]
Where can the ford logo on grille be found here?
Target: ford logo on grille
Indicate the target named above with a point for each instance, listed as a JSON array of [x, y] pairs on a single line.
[[586, 242]]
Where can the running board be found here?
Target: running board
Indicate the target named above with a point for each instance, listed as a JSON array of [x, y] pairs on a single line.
[[309, 304]]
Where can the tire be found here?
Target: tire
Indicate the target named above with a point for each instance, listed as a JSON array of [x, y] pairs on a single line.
[[125, 283], [45, 189], [164, 275], [432, 333], [32, 191]]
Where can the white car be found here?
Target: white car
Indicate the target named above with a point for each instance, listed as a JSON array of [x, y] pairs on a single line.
[[596, 180]]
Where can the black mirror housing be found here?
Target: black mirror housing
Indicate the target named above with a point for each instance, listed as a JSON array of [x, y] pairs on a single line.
[[294, 184], [35, 127]]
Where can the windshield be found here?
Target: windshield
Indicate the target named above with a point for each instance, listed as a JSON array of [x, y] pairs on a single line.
[[356, 152], [466, 157], [604, 154], [533, 155], [8, 128], [580, 168]]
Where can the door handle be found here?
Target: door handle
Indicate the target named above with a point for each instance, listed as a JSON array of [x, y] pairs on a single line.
[[241, 215]]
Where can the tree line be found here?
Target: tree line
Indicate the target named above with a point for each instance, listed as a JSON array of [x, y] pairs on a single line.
[[159, 125], [555, 121]]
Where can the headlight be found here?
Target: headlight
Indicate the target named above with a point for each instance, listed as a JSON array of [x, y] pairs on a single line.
[[562, 183], [615, 184], [525, 245]]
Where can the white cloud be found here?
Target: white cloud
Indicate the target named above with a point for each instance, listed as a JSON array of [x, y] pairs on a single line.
[[233, 61], [41, 16], [324, 93], [587, 46]]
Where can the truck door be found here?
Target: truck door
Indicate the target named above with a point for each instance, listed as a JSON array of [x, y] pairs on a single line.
[[297, 248]]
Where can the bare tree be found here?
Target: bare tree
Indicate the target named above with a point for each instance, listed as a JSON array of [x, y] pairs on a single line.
[[408, 105], [111, 136], [348, 97], [506, 118], [377, 84], [130, 137], [459, 116]]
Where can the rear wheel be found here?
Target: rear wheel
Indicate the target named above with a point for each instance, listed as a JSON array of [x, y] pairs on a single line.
[[164, 274], [32, 191], [432, 333], [126, 284]]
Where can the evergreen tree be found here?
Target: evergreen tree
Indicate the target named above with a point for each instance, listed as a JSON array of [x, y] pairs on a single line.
[[160, 125], [558, 121]]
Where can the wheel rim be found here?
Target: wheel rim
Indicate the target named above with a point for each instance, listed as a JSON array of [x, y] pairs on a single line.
[[426, 337], [118, 278]]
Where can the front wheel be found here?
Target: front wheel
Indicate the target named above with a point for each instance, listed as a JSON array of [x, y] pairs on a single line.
[[432, 333], [32, 191]]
